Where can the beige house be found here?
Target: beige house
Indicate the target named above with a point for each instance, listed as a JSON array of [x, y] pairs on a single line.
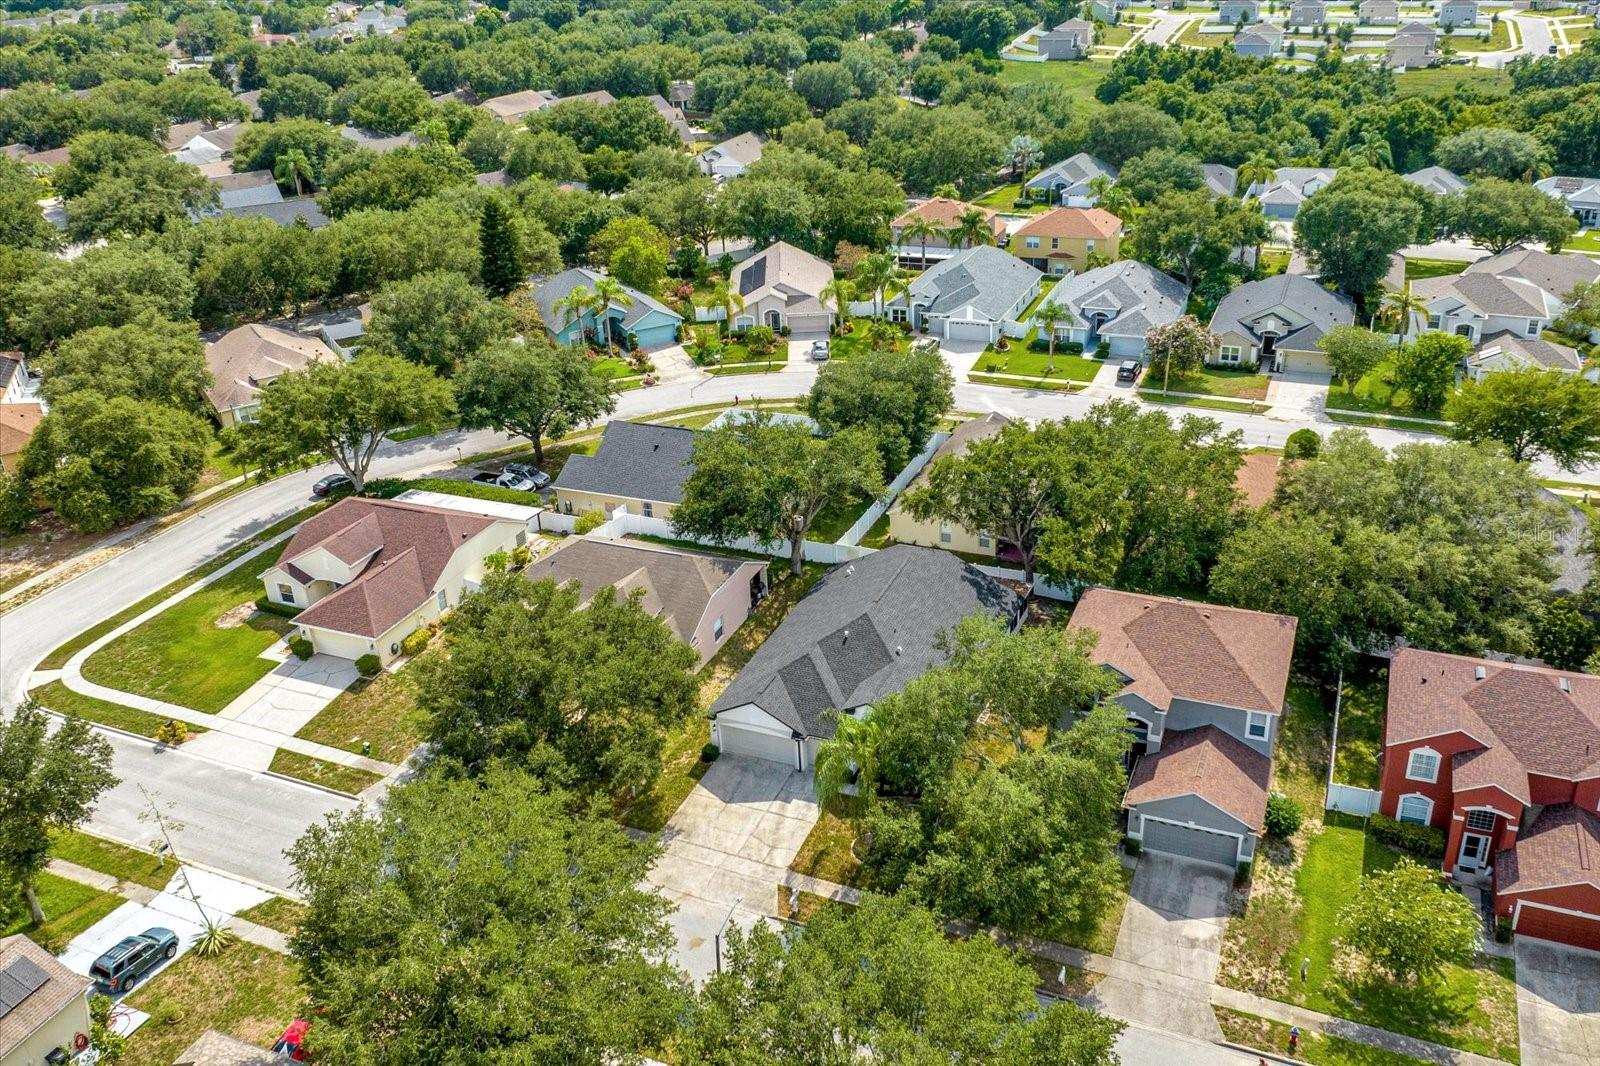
[[702, 597], [44, 1016], [369, 572], [637, 466], [18, 421], [945, 213], [514, 107], [244, 360], [1276, 323], [904, 529], [781, 285]]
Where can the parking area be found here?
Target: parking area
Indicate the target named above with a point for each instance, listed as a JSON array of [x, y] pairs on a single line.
[[1558, 1004]]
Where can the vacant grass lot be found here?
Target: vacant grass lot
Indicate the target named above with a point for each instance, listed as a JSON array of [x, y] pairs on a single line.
[[382, 712], [1498, 39], [1376, 394], [246, 992], [120, 861], [69, 908], [59, 698], [1214, 381], [1076, 79], [184, 656], [1443, 81]]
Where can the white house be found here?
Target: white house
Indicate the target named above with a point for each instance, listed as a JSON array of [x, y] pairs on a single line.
[[1477, 305], [1581, 195]]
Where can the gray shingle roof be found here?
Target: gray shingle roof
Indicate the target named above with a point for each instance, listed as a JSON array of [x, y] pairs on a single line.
[[1485, 293], [284, 212], [1082, 167], [1241, 308], [1140, 295], [634, 460], [1437, 180], [547, 295], [1555, 274], [1535, 351], [866, 630], [1221, 180], [984, 277]]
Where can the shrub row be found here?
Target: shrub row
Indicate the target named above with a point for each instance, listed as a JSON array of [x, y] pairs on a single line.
[[1424, 841], [282, 610]]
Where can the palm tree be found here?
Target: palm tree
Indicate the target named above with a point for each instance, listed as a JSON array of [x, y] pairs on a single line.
[[1258, 169], [293, 168], [1399, 306], [1099, 185], [1119, 202], [972, 228], [578, 302], [731, 302], [1375, 151], [609, 293], [853, 748], [920, 229], [1050, 315], [1025, 153], [877, 273], [838, 292]]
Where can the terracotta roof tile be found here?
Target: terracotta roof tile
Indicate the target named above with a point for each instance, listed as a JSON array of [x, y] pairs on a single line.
[[17, 424], [1561, 847], [1088, 222], [1211, 764], [943, 211], [1257, 479]]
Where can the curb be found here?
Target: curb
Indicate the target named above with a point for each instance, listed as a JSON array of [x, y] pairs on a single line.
[[1268, 1055], [311, 784], [207, 867]]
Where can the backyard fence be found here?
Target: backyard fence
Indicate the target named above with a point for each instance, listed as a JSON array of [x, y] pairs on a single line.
[[624, 523], [1348, 799], [853, 535]]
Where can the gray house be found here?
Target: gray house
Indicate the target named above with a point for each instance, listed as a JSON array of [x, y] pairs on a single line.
[[1118, 304], [969, 296], [1437, 180], [1070, 40], [1261, 41], [1290, 187], [1581, 195], [1232, 12], [1458, 12], [1203, 688], [1379, 12], [1306, 13], [864, 632], [1222, 180], [1415, 44], [1275, 323], [1067, 183]]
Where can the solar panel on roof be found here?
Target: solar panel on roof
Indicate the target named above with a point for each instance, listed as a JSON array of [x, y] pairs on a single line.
[[754, 276], [18, 981]]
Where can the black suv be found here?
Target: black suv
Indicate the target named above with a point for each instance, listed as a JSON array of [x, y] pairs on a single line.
[[134, 956]]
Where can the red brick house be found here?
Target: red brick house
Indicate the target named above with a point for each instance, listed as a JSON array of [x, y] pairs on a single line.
[[1506, 760]]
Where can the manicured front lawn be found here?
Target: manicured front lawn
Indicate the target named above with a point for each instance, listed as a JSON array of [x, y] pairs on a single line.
[[1213, 381], [382, 712], [1376, 394], [246, 992], [120, 861], [825, 852], [1587, 241], [1318, 1049], [348, 779], [732, 353], [1021, 359], [69, 908], [1037, 384], [859, 340], [184, 656], [59, 698], [1212, 403]]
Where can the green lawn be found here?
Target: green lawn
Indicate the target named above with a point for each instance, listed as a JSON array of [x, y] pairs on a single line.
[[1376, 394], [878, 535], [1443, 81], [280, 913], [1039, 384], [1587, 241], [1432, 268], [69, 908], [834, 520], [1380, 422], [1021, 359], [382, 712], [1046, 285], [857, 341], [1274, 260], [1100, 934], [59, 698], [1005, 196], [1499, 39], [351, 780], [184, 656], [1317, 1049], [247, 992], [1210, 403], [732, 353], [826, 850], [1192, 37], [1076, 79], [120, 861], [1111, 36], [1213, 381], [1361, 712]]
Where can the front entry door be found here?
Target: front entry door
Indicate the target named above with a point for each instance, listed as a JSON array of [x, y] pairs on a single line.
[[1474, 851]]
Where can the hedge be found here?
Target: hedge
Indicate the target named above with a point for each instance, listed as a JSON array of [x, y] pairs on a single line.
[[1424, 841], [415, 641], [282, 610]]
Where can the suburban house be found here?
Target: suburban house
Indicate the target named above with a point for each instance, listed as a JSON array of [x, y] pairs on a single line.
[[945, 213], [212, 1048], [1060, 242], [1290, 187], [514, 107], [43, 1006], [1275, 324], [1072, 39], [732, 157], [1263, 40], [1458, 12], [904, 529], [1068, 182], [1203, 688], [1556, 275], [287, 212], [18, 423], [969, 296], [651, 323], [1479, 304], [198, 143], [244, 360], [1416, 44], [782, 286], [672, 115], [1581, 195], [369, 572], [1118, 304], [701, 597], [1379, 12], [249, 189], [1505, 758], [1307, 13], [638, 466], [1233, 12], [1437, 180], [864, 632], [17, 384], [1508, 351], [1221, 179], [373, 141]]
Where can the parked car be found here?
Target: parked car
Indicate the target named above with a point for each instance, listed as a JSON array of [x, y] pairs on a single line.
[[331, 483], [120, 968], [539, 478], [820, 351], [1128, 370], [506, 480]]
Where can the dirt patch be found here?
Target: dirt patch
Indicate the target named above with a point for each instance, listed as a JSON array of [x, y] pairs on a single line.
[[1265, 918], [235, 617], [47, 543]]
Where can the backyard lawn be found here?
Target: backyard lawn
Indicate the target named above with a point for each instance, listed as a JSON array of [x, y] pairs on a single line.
[[1077, 79], [382, 712], [69, 909], [1005, 196], [1213, 381], [247, 992], [197, 653], [1432, 268], [834, 520], [1361, 727]]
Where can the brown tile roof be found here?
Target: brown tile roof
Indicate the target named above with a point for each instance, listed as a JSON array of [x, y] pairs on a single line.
[[414, 544], [43, 1004], [1174, 648], [1085, 222], [1561, 847], [1257, 479], [1206, 762], [245, 359], [17, 424], [1542, 721], [943, 211]]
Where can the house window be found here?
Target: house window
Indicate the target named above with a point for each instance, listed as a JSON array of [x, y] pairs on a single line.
[[945, 533], [1088, 246], [1418, 810], [444, 599], [522, 538], [1480, 821], [1229, 354], [716, 628], [1030, 242], [1435, 321], [897, 314], [649, 509], [1258, 726], [1423, 765], [1533, 328], [1055, 242], [983, 539], [286, 593]]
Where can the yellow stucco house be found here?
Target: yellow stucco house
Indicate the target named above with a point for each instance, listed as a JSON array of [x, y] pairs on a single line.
[[904, 529], [1060, 242]]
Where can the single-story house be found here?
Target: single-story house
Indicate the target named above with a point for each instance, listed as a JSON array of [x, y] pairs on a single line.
[[1203, 687], [652, 323], [44, 1006], [1479, 304], [252, 188], [781, 285], [1505, 759], [370, 572], [1233, 12], [1437, 180], [1221, 179], [701, 597], [732, 157], [374, 141], [286, 212], [864, 632], [1068, 182], [1118, 304], [1290, 187], [969, 296], [1509, 351], [1275, 323], [904, 529], [639, 466], [1458, 12], [1307, 13], [944, 213], [198, 142], [252, 100], [18, 423], [1071, 39], [1414, 45], [244, 360], [514, 107], [212, 1048], [1581, 195], [1060, 242], [1379, 12], [672, 115], [1263, 40]]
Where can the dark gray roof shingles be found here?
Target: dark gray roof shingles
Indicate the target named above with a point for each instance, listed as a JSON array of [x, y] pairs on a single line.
[[635, 461]]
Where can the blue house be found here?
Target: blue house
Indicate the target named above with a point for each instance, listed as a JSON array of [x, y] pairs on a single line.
[[652, 322]]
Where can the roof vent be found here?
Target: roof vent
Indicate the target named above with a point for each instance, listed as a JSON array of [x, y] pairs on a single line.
[[1566, 684], [849, 570], [1479, 673], [846, 636], [898, 650]]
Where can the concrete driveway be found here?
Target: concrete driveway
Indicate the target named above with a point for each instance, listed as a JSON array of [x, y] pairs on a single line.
[[1558, 1004], [727, 848]]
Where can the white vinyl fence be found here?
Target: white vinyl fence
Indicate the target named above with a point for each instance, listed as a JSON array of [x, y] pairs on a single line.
[[853, 535], [556, 522], [623, 523], [1347, 799]]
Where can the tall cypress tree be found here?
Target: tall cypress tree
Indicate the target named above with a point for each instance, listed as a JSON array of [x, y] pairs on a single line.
[[498, 245]]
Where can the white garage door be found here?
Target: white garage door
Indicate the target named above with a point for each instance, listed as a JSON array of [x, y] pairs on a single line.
[[967, 331], [1198, 844], [808, 323], [737, 740]]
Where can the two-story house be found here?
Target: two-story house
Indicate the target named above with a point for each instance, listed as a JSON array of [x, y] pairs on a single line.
[[1071, 39], [1203, 687], [1275, 324], [1458, 13], [1379, 12], [936, 533], [1234, 12], [944, 214], [1505, 759], [1060, 242]]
